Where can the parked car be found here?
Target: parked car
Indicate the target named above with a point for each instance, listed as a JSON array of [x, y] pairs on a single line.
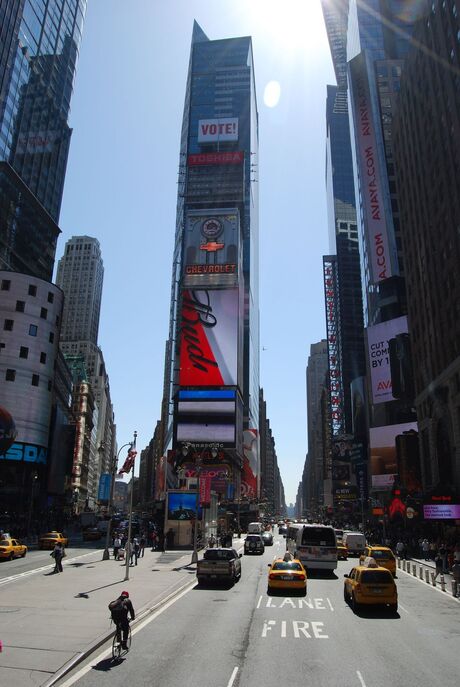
[[219, 565], [50, 539], [12, 548], [254, 544], [267, 538], [287, 574]]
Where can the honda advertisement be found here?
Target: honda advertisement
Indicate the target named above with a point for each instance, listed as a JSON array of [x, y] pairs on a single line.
[[211, 248], [378, 337], [209, 338]]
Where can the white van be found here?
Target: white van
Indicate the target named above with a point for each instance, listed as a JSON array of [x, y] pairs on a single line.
[[255, 528], [355, 542]]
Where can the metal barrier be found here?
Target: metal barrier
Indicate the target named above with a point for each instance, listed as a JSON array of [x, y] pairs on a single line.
[[427, 576], [414, 570], [443, 583], [433, 580], [421, 573]]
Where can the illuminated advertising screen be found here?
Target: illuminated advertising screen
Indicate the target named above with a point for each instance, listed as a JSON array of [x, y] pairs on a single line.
[[379, 357], [209, 338], [384, 459], [181, 505], [207, 432], [437, 511], [251, 461], [228, 157], [217, 130], [211, 247], [377, 221]]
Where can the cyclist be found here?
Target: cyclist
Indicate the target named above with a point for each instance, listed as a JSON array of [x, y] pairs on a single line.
[[119, 609]]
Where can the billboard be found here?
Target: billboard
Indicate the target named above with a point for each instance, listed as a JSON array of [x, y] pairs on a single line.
[[230, 157], [105, 481], [437, 511], [384, 460], [336, 395], [250, 471], [377, 226], [378, 337], [182, 505], [211, 248], [218, 130], [209, 338]]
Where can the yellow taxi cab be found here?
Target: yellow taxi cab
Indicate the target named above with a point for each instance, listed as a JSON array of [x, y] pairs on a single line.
[[370, 584], [382, 555], [11, 548], [342, 552], [50, 539], [287, 573]]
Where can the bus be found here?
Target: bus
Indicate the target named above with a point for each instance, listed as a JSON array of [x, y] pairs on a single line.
[[314, 545]]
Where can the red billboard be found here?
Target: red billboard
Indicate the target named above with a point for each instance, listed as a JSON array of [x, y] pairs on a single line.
[[232, 157], [209, 338]]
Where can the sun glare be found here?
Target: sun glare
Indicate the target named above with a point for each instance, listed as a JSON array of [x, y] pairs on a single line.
[[272, 94]]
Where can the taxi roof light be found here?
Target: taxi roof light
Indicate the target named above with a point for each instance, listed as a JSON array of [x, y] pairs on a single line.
[[370, 562]]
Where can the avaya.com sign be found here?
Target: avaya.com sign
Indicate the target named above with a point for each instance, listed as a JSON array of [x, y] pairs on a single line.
[[214, 130]]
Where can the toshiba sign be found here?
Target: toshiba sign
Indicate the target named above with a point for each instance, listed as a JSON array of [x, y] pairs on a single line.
[[216, 130]]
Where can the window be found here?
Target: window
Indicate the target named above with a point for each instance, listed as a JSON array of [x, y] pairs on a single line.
[[8, 325], [33, 329], [50, 297], [43, 358], [35, 380], [6, 283], [20, 306], [10, 375], [43, 313], [51, 337], [32, 290], [23, 352]]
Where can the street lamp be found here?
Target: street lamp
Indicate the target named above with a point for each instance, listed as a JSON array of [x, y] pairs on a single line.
[[133, 448], [197, 504], [113, 470]]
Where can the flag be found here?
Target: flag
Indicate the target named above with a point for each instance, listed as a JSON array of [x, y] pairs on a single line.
[[129, 462]]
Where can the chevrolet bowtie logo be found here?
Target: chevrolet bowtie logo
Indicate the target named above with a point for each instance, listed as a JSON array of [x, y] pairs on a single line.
[[212, 246]]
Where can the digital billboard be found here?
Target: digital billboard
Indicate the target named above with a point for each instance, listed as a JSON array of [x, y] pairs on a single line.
[[378, 337], [377, 221], [209, 338], [211, 247], [221, 433], [181, 505], [384, 459], [250, 471], [216, 130], [439, 511]]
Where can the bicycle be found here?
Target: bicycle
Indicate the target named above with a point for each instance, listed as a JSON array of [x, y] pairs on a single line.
[[117, 649]]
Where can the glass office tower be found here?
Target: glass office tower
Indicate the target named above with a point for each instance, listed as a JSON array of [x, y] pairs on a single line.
[[211, 409], [38, 55]]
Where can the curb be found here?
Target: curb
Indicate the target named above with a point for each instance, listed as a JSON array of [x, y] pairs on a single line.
[[78, 658]]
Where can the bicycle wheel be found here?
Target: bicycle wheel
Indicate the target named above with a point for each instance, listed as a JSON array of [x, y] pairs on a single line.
[[116, 647], [128, 641]]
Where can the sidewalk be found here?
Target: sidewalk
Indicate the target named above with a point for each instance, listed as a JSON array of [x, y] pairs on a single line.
[[49, 620], [430, 567]]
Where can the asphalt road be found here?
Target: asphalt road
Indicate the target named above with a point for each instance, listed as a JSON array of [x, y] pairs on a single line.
[[36, 560], [216, 637]]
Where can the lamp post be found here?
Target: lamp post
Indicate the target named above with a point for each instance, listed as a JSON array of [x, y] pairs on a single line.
[[133, 448], [113, 470], [197, 504]]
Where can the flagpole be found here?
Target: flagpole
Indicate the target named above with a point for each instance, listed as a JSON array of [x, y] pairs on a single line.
[[128, 547]]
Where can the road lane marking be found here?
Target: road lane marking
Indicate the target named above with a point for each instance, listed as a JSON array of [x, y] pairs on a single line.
[[330, 605], [403, 609], [108, 652], [428, 584], [299, 627], [27, 573], [363, 684], [232, 677], [259, 602], [308, 602]]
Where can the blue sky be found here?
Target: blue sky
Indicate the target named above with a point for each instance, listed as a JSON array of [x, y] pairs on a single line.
[[121, 187]]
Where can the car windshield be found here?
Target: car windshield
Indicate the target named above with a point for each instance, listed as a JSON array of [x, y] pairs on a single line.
[[376, 577], [286, 565], [382, 555], [254, 537], [218, 555]]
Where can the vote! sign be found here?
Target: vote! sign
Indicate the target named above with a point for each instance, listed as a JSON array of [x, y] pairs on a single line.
[[216, 130]]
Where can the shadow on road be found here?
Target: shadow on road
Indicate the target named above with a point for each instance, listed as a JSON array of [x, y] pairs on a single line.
[[108, 663], [85, 595]]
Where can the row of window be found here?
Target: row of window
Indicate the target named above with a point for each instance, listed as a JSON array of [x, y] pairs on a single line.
[[32, 291], [33, 329], [10, 376]]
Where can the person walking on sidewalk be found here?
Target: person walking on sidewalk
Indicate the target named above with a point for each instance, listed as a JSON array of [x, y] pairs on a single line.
[[456, 579], [439, 565], [58, 554], [426, 549], [401, 549], [116, 546], [142, 542], [119, 610]]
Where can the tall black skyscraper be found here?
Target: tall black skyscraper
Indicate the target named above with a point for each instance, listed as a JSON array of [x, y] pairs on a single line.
[[38, 54]]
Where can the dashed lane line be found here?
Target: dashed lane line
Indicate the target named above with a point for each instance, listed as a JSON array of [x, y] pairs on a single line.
[[360, 677], [232, 677]]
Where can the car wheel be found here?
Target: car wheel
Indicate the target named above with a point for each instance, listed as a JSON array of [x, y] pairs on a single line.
[[345, 595], [24, 554], [394, 608], [11, 557]]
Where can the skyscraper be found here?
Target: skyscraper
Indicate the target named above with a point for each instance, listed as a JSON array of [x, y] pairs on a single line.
[[212, 362], [38, 55], [80, 275]]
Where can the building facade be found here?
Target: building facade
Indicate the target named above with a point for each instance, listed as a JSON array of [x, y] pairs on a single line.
[[426, 137], [212, 361], [316, 381]]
